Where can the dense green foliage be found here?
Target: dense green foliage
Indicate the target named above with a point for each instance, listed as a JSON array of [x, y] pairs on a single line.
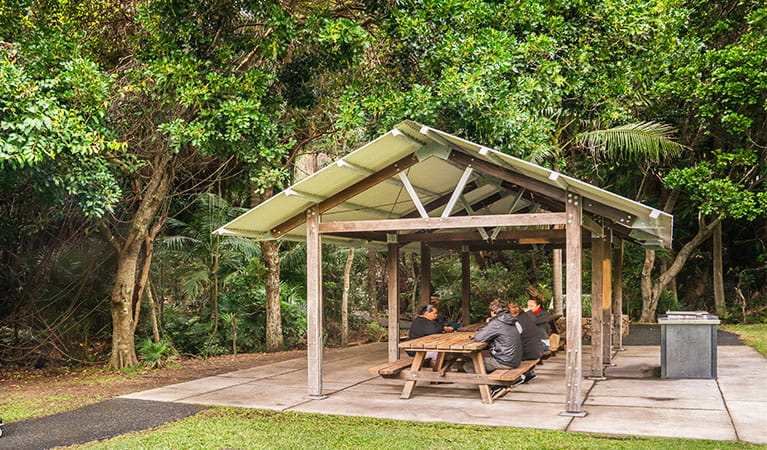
[[214, 101]]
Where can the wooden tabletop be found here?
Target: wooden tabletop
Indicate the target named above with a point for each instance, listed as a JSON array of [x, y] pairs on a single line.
[[473, 327], [444, 342]]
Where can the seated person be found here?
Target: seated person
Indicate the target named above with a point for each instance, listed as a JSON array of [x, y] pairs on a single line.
[[503, 340], [426, 324], [541, 319], [532, 347]]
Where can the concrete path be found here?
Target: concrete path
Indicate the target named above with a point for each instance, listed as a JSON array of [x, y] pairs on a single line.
[[632, 401]]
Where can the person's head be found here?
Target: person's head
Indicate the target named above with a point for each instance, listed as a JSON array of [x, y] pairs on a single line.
[[534, 304], [428, 311], [515, 309], [496, 306]]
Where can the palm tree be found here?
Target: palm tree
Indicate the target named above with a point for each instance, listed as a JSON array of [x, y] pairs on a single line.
[[206, 257], [646, 144]]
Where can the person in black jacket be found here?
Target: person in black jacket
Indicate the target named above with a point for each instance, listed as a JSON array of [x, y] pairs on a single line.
[[502, 338], [541, 318], [426, 324], [532, 347]]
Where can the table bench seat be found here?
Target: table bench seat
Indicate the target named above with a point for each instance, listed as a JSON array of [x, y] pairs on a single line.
[[391, 368], [513, 374]]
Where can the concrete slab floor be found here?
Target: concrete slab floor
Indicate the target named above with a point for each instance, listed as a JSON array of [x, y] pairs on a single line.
[[658, 422], [748, 418], [632, 401]]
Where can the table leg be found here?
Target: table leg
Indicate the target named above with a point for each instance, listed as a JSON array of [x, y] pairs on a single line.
[[407, 391], [439, 362], [479, 367]]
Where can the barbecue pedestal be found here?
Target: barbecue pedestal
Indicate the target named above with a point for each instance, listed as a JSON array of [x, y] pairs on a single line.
[[688, 344]]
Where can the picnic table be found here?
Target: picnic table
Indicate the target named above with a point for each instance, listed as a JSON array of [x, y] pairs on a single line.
[[458, 344]]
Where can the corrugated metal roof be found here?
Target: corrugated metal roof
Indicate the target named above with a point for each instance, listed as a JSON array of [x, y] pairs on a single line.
[[442, 159]]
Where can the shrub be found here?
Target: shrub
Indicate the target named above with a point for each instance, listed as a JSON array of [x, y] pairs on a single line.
[[376, 332], [155, 354]]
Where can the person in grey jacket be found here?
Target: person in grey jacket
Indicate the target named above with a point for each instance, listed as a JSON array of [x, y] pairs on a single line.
[[503, 339]]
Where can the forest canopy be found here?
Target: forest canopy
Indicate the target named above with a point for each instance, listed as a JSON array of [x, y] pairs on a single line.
[[129, 131]]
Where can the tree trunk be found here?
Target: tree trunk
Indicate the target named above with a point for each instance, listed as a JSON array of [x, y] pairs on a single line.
[[128, 253], [648, 303], [651, 292], [146, 264], [372, 281], [345, 298], [123, 348], [271, 255], [153, 313], [414, 294], [557, 282], [234, 334], [214, 288], [718, 272]]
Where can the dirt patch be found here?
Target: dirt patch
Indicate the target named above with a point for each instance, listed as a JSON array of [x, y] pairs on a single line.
[[51, 390]]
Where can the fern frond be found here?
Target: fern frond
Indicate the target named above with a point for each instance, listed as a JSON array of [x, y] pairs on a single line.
[[634, 141]]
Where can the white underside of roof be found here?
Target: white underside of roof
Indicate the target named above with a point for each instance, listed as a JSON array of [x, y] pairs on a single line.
[[432, 177]]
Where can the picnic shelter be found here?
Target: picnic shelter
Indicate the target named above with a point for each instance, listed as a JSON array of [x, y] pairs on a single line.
[[420, 190]]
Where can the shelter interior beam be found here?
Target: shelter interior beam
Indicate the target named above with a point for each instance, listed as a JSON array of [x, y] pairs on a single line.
[[445, 223], [413, 196], [457, 192], [440, 201]]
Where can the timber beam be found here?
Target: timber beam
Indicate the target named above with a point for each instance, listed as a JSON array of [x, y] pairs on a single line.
[[538, 187], [438, 223], [349, 192]]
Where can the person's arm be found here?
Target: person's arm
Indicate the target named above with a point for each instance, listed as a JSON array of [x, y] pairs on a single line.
[[487, 333]]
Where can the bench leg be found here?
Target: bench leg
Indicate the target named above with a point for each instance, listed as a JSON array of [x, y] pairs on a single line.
[[479, 367], [407, 391]]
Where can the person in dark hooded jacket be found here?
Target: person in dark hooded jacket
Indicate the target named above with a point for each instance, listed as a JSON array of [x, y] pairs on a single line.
[[503, 339], [532, 347]]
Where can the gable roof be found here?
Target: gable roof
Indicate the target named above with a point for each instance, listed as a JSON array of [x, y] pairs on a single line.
[[368, 184]]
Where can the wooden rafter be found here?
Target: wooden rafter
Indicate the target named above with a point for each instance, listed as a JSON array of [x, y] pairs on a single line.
[[349, 192], [537, 187]]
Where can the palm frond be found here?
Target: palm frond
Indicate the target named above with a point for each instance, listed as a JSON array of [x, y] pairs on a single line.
[[179, 242], [634, 141]]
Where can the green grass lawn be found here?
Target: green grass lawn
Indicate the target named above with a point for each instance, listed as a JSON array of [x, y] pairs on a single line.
[[219, 428], [753, 335], [17, 407]]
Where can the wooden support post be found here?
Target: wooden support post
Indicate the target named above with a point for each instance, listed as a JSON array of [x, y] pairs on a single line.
[[618, 296], [573, 255], [392, 266], [607, 299], [314, 303], [425, 289], [596, 371], [465, 285]]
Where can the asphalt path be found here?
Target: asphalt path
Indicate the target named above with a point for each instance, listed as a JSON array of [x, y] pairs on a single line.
[[94, 422]]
